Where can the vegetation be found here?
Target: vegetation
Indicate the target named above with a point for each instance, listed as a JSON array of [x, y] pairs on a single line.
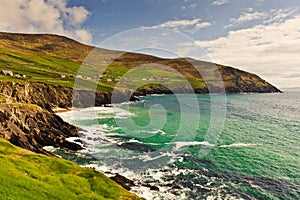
[[26, 175], [56, 60]]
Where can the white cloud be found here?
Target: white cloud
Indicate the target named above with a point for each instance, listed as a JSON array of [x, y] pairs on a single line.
[[179, 23], [193, 5], [46, 16], [185, 25], [245, 17], [82, 33], [220, 2], [202, 25], [270, 50], [278, 16]]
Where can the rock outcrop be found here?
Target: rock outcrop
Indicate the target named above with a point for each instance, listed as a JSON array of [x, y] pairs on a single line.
[[49, 96], [31, 127]]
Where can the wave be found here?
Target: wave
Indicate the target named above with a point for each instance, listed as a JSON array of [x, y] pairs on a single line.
[[95, 113], [156, 95], [179, 145], [238, 145], [157, 131]]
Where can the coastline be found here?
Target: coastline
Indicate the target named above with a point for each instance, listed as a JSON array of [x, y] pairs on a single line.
[[35, 124], [257, 180], [119, 178], [62, 110]]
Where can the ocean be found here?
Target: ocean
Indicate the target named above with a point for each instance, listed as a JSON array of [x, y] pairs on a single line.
[[238, 146]]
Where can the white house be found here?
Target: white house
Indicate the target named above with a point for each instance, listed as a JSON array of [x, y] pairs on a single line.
[[7, 73]]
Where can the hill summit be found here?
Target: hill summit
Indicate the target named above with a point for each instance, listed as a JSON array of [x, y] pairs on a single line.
[[54, 59]]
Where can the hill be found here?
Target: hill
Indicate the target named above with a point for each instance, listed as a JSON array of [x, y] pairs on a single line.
[[38, 74], [56, 59], [26, 175]]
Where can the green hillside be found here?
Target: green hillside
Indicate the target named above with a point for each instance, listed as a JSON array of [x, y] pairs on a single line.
[[26, 175], [55, 59], [41, 64]]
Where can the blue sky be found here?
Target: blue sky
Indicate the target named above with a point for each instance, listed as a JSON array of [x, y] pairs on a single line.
[[260, 36], [108, 17]]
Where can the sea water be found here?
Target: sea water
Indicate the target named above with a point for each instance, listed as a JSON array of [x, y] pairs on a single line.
[[191, 147]]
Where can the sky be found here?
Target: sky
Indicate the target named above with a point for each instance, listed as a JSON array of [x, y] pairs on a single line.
[[259, 36]]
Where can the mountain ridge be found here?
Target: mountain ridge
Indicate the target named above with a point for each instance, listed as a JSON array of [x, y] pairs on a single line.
[[46, 57]]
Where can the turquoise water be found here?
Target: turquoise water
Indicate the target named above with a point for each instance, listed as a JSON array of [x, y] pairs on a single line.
[[179, 144]]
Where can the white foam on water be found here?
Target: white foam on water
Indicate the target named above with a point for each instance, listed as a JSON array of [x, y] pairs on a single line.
[[136, 141], [157, 131], [156, 177], [156, 95], [100, 144], [95, 113], [50, 148], [180, 144], [151, 175], [123, 115], [240, 145], [73, 140]]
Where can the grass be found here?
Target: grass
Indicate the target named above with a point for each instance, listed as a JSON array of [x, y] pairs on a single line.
[[44, 58], [20, 105], [26, 175]]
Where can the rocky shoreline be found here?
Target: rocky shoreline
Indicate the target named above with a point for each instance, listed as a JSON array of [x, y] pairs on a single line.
[[31, 127], [49, 96], [28, 120]]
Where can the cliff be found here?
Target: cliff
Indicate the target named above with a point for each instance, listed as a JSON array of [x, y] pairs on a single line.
[[31, 127], [50, 96]]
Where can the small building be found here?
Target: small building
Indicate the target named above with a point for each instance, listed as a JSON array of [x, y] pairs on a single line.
[[18, 75], [7, 73], [88, 78], [79, 76], [62, 76], [108, 80]]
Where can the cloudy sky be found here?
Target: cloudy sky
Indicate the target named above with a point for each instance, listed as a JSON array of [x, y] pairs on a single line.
[[260, 36]]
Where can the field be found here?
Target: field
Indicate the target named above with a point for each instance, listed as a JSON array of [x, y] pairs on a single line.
[[58, 60], [26, 175]]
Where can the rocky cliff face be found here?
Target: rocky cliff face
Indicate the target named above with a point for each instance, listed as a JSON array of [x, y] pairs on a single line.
[[29, 122], [43, 95], [49, 96], [32, 127]]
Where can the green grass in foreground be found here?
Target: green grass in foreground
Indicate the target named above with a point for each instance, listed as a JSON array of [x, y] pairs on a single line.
[[26, 175]]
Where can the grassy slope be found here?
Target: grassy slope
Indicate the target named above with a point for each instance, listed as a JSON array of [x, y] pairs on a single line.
[[46, 57], [26, 175]]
